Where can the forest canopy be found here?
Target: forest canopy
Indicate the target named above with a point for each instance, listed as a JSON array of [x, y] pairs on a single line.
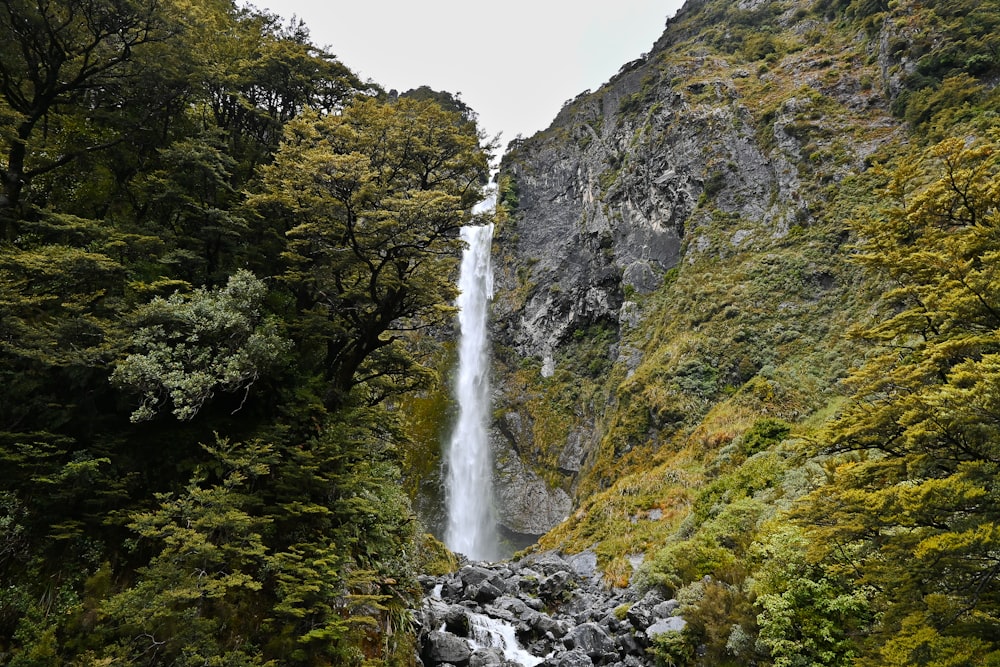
[[216, 244]]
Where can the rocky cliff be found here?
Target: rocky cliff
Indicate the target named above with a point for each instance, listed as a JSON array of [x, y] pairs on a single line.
[[697, 185], [745, 345]]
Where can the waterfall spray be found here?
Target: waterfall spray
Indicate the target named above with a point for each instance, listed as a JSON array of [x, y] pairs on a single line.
[[469, 480]]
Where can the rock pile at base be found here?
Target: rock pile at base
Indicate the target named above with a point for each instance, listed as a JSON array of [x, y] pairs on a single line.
[[561, 614]]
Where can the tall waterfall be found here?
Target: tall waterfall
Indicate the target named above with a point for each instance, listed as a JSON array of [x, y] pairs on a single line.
[[469, 480]]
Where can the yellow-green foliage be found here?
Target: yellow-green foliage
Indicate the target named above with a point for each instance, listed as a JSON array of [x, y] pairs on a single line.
[[427, 416], [636, 513], [721, 424], [913, 509], [761, 330], [433, 557]]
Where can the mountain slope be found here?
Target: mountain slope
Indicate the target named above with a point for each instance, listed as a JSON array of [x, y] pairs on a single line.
[[678, 298]]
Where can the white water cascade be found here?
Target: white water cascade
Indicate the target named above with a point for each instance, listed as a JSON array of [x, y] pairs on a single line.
[[494, 633], [469, 479]]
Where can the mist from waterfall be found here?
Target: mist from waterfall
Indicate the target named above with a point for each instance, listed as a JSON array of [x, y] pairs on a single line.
[[469, 478]]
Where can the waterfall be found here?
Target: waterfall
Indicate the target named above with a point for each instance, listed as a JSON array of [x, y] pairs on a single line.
[[469, 480]]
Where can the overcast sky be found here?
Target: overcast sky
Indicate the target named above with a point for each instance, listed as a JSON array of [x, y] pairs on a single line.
[[515, 62]]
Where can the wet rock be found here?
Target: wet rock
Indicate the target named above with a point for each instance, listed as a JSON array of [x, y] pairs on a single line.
[[551, 605], [574, 658], [488, 657], [473, 575], [456, 621], [526, 504], [592, 640], [442, 648], [511, 605], [484, 592], [544, 625]]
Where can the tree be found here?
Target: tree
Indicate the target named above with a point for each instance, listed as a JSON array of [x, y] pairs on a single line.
[[190, 346], [261, 74], [915, 510], [124, 284], [365, 207], [198, 599], [59, 56]]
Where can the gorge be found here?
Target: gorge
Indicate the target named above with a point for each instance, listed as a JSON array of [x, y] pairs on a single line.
[[735, 399], [685, 292]]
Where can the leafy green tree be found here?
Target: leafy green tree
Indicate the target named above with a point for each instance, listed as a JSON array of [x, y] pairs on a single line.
[[260, 74], [342, 528], [56, 59], [130, 132], [914, 512], [806, 616], [190, 200], [370, 201], [198, 599], [189, 346]]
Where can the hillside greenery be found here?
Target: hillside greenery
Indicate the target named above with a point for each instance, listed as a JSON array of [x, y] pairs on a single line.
[[222, 255], [803, 454], [218, 248]]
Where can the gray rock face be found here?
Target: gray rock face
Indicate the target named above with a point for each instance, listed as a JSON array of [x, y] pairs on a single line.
[[669, 162], [525, 504]]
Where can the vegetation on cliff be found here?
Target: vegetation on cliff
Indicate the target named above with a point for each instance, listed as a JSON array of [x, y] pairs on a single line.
[[796, 432]]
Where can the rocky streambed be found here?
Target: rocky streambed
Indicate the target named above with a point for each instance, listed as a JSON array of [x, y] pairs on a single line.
[[545, 609]]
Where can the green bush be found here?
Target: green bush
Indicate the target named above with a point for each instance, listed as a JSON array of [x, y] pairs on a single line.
[[764, 434]]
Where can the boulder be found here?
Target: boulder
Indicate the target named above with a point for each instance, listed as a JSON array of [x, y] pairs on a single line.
[[442, 648], [473, 575], [484, 593], [546, 562], [665, 625], [584, 564], [666, 609], [456, 620], [641, 614], [554, 586], [592, 639], [487, 657], [574, 658], [628, 645], [511, 605]]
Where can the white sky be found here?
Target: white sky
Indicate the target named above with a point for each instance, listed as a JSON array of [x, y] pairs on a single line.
[[515, 62]]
